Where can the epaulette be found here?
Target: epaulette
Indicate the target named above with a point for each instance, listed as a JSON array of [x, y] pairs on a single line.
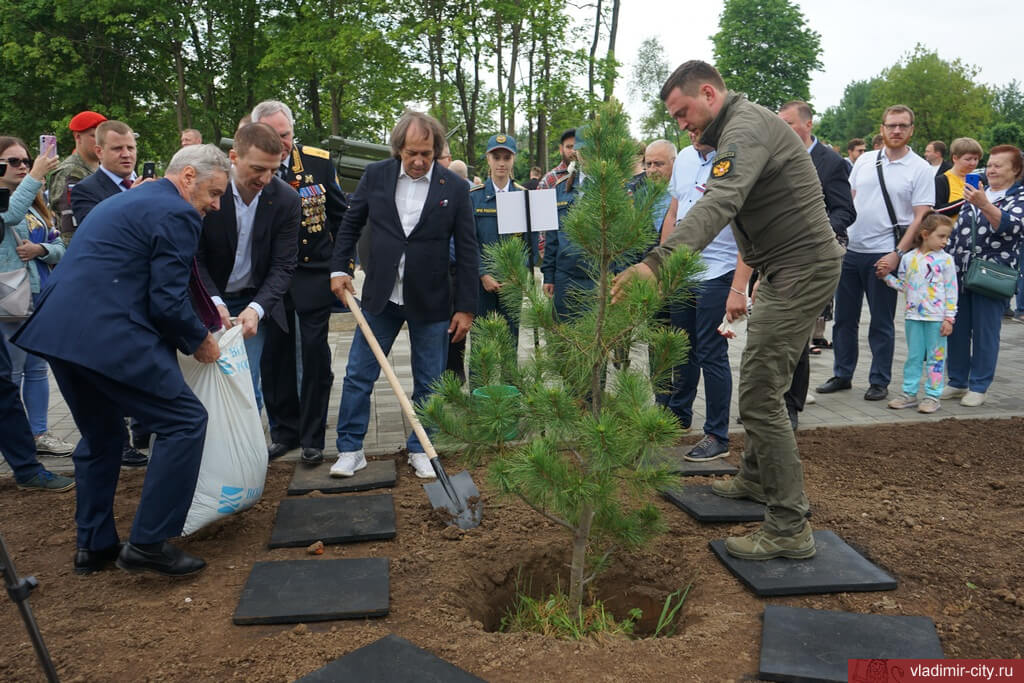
[[563, 178], [474, 188], [316, 152], [517, 185]]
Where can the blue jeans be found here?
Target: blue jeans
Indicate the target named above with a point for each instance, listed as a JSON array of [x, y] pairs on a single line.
[[974, 344], [30, 374], [254, 344], [926, 347], [856, 282], [428, 343], [709, 353], [16, 443]]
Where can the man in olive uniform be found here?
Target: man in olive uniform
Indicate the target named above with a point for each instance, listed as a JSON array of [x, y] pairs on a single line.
[[80, 164], [299, 417], [792, 245]]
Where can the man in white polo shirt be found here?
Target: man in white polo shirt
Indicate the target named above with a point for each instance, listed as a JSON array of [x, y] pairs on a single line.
[[876, 247], [723, 283]]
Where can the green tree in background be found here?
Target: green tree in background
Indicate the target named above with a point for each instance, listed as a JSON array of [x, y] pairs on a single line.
[[650, 70], [852, 117], [947, 100], [764, 48]]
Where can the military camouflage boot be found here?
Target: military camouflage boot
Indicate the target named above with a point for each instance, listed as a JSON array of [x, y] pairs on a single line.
[[765, 545]]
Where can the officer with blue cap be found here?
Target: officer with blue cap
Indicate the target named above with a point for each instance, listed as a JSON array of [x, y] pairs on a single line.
[[501, 157]]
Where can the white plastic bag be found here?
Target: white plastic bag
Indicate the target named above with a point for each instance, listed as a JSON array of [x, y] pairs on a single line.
[[234, 466]]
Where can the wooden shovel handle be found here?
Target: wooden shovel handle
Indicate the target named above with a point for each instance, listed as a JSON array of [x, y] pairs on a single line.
[[382, 359]]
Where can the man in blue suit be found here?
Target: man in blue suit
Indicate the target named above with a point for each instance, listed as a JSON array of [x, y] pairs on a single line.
[[115, 149], [413, 208], [132, 261]]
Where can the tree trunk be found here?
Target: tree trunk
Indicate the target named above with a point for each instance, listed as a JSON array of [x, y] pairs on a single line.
[[180, 104], [501, 91], [313, 95], [529, 98], [580, 537], [336, 110], [542, 109], [609, 83], [514, 58], [592, 64]]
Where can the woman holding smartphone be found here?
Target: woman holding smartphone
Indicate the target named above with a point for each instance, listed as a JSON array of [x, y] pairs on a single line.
[[994, 216], [37, 248], [949, 186]]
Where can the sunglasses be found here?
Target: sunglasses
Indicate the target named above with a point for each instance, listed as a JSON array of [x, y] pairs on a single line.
[[14, 162]]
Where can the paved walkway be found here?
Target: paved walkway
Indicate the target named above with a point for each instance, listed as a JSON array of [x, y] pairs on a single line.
[[388, 427]]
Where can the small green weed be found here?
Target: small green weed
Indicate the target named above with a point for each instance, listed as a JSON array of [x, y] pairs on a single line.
[[553, 616], [668, 620]]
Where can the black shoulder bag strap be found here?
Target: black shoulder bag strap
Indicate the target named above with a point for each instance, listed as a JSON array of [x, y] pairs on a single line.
[[888, 202]]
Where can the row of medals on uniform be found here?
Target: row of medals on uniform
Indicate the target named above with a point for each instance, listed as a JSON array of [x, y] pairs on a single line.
[[314, 200]]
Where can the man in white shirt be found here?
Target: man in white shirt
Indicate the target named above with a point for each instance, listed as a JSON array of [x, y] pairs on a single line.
[[724, 283], [247, 250], [412, 208], [875, 249]]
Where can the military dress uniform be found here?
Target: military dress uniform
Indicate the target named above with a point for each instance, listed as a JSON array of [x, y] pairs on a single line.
[[298, 417], [564, 264], [63, 179]]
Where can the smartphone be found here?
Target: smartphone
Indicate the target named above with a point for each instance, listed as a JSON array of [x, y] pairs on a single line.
[[973, 179], [149, 169], [48, 142]]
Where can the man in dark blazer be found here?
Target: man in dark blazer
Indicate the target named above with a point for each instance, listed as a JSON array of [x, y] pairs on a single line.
[[115, 149], [298, 416], [247, 249], [132, 262], [834, 174], [413, 207]]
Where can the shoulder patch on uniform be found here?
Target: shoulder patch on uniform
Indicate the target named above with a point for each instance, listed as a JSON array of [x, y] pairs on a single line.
[[316, 152], [721, 168], [722, 156]]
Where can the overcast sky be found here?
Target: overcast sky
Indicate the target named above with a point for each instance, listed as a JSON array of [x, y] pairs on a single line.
[[858, 39]]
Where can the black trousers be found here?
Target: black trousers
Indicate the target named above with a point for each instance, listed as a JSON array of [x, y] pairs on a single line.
[[298, 416]]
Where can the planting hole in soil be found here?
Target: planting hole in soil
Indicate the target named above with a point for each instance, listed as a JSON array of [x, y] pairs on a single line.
[[491, 599]]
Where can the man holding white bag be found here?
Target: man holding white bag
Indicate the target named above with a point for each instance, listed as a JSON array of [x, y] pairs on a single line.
[[117, 355]]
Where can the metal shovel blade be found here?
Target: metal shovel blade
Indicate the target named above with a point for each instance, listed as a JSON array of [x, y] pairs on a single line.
[[459, 496]]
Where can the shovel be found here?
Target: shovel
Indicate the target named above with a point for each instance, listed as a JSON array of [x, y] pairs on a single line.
[[458, 495]]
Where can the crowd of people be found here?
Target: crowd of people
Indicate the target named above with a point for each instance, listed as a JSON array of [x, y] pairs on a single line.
[[141, 268]]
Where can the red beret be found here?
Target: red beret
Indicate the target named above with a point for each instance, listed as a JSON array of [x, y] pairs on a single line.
[[85, 120]]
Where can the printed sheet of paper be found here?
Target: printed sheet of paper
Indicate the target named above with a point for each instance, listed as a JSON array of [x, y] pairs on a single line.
[[512, 211]]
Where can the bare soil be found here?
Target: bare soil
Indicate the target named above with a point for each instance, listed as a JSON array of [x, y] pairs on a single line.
[[937, 505]]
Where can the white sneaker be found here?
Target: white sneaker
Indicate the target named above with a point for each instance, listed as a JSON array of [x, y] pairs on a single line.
[[810, 400], [952, 392], [421, 463], [348, 463], [973, 399]]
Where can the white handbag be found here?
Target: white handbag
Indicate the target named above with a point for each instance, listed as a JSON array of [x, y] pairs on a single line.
[[15, 291]]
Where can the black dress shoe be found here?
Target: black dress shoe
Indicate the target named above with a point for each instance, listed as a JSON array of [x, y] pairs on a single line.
[[876, 392], [312, 456], [89, 561], [276, 450], [834, 384], [133, 458], [169, 560]]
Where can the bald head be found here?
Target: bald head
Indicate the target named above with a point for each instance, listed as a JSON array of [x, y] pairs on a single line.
[[658, 159]]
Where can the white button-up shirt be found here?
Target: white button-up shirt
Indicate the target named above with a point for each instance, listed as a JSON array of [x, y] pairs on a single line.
[[241, 272], [410, 196]]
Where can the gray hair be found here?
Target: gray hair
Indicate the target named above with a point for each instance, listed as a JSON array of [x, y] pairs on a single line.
[[426, 124], [269, 108], [205, 159], [665, 144]]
